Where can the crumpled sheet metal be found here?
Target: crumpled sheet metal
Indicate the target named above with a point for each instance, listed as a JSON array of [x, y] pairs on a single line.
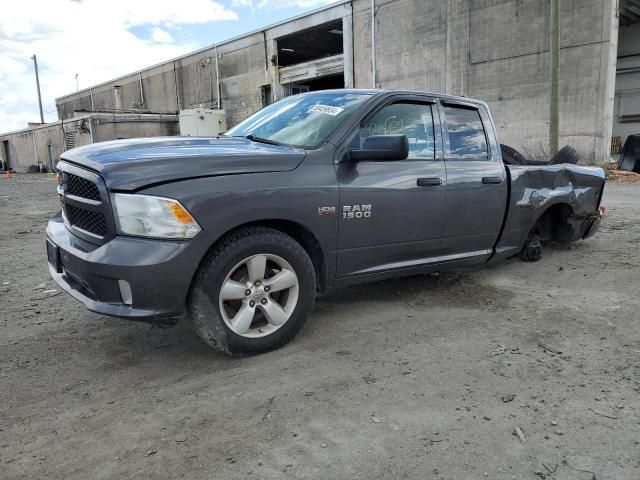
[[534, 189]]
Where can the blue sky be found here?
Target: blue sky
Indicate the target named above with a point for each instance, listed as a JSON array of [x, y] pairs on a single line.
[[213, 32], [102, 39]]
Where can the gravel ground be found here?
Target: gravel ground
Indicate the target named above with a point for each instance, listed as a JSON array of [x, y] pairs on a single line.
[[423, 377]]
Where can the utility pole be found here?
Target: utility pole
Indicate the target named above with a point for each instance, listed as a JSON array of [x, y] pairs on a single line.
[[554, 80], [373, 43], [77, 87], [35, 64]]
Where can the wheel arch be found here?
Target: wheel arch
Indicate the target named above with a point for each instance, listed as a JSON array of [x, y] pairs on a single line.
[[301, 234], [551, 224]]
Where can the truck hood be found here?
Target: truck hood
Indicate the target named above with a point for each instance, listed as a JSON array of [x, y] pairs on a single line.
[[135, 163]]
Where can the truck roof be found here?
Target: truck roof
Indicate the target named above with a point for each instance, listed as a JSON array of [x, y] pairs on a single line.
[[380, 91]]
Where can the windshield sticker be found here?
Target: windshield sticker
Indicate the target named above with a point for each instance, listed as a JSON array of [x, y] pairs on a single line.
[[328, 109]]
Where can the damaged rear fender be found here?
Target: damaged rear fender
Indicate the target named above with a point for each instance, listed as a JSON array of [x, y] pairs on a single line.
[[561, 201]]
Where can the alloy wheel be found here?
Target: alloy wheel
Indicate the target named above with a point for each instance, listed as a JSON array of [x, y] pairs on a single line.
[[258, 295]]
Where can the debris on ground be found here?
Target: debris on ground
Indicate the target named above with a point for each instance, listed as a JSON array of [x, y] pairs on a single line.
[[622, 172], [510, 397], [499, 350], [612, 417], [552, 350], [520, 434], [565, 462], [617, 175], [267, 410]]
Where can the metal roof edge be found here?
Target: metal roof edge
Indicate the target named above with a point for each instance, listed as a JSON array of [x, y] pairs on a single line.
[[91, 115]]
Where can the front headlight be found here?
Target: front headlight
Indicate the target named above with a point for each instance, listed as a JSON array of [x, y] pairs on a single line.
[[148, 216]]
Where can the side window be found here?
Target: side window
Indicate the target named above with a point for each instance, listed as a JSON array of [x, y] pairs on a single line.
[[414, 120], [466, 134]]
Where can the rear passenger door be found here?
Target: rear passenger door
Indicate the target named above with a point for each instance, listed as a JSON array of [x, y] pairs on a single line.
[[476, 182]]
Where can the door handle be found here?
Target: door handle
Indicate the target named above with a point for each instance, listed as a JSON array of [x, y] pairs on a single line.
[[491, 180], [429, 182]]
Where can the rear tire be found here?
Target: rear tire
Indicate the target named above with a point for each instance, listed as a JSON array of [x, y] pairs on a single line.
[[253, 292], [511, 156], [566, 154]]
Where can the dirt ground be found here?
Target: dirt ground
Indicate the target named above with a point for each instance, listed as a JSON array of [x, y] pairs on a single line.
[[423, 377]]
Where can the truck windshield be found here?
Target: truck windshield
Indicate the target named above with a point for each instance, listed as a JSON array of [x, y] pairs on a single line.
[[304, 121]]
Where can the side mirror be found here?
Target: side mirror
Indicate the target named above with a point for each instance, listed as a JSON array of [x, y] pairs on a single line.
[[382, 147]]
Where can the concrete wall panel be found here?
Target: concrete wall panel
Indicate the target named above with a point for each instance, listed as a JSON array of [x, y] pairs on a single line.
[[507, 28]]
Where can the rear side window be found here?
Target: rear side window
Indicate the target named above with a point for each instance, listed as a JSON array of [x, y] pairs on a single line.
[[466, 134], [414, 120]]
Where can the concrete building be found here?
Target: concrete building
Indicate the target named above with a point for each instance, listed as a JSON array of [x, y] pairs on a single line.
[[496, 50], [38, 148]]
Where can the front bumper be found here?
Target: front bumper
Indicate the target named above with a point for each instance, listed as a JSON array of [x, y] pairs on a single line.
[[159, 272]]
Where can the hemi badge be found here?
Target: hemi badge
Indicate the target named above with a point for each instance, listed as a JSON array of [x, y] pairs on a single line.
[[326, 210]]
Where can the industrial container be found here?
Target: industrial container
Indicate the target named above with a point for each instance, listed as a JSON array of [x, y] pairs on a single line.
[[202, 122]]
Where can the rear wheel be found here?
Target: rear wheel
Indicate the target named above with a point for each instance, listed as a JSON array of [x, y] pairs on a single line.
[[253, 292]]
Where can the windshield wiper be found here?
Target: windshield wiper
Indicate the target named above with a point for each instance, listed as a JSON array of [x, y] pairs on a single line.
[[253, 138]]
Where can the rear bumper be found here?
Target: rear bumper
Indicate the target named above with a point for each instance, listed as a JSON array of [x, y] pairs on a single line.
[[593, 222], [592, 229], [159, 273]]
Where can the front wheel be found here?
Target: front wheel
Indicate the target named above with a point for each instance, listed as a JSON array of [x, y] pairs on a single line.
[[253, 292]]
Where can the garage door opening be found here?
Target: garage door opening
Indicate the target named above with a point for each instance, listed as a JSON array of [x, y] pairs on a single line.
[[329, 82], [5, 156], [312, 59], [626, 120]]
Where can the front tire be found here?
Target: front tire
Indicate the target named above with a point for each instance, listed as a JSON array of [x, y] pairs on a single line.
[[253, 291]]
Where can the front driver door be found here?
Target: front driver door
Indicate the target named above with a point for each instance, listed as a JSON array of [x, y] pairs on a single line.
[[391, 212]]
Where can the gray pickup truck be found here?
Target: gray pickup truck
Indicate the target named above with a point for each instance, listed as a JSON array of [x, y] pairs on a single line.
[[240, 231]]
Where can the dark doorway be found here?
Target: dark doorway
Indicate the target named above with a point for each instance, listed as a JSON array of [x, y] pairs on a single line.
[[265, 95], [311, 44], [325, 83], [6, 157]]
